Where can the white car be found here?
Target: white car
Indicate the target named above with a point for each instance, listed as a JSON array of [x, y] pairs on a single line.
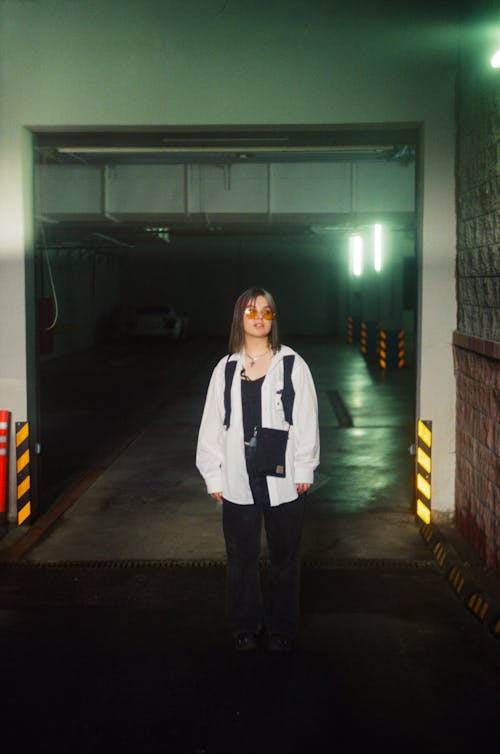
[[158, 321]]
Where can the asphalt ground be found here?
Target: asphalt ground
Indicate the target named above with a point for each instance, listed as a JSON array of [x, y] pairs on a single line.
[[112, 640], [136, 658]]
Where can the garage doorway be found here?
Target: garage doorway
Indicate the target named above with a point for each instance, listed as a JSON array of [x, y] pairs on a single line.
[[130, 223]]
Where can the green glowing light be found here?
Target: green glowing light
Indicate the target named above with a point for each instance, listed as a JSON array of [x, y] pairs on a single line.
[[495, 59], [356, 255], [377, 247]]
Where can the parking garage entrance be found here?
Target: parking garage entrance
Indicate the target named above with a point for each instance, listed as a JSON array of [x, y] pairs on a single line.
[[137, 229]]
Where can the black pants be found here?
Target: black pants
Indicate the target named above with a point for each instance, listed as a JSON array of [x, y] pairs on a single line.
[[242, 525]]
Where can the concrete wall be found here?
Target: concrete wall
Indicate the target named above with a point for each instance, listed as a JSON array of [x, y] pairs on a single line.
[[152, 193], [477, 341], [135, 63], [87, 286]]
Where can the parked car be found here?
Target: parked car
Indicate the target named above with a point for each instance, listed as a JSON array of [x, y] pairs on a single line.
[[157, 321]]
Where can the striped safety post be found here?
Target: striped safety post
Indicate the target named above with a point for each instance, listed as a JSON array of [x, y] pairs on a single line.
[[353, 329], [391, 347], [4, 460], [424, 470], [23, 472], [369, 340], [350, 330]]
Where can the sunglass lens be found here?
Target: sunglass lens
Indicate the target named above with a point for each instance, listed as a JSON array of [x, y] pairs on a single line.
[[252, 313]]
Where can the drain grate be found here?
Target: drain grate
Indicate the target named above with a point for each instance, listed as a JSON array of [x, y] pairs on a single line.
[[319, 563], [352, 564], [109, 564]]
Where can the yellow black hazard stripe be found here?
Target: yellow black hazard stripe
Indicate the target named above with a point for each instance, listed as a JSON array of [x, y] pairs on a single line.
[[424, 469], [23, 472]]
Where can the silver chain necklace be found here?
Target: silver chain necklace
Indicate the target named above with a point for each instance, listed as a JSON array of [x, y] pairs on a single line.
[[253, 359]]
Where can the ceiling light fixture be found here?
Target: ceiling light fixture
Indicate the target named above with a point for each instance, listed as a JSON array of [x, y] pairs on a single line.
[[222, 149]]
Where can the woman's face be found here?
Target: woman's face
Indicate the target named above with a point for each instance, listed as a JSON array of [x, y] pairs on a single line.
[[257, 327]]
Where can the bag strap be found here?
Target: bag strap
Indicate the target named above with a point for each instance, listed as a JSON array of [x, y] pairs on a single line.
[[229, 374], [288, 395]]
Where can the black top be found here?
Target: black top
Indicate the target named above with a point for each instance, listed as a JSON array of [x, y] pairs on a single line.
[[251, 405]]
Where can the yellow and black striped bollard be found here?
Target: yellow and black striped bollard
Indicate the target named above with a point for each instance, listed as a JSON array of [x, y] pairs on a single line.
[[23, 472]]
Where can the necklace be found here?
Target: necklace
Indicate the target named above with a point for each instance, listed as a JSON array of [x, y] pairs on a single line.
[[253, 359]]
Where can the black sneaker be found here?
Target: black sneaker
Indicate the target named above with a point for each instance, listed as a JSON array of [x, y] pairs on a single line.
[[246, 642], [280, 643]]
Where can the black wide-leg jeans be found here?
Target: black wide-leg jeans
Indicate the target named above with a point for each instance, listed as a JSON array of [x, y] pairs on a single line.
[[242, 526]]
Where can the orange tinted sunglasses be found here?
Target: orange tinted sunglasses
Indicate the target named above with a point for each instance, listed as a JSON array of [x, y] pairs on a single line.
[[252, 313]]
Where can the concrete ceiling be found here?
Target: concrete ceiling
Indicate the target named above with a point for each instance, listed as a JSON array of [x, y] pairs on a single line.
[[229, 146]]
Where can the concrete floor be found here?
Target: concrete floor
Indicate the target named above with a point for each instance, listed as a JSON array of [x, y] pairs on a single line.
[[150, 503], [112, 628]]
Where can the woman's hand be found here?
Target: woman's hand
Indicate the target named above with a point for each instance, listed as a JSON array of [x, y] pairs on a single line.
[[216, 496], [302, 487]]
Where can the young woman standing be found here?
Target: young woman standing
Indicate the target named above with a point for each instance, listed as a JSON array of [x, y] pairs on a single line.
[[230, 443]]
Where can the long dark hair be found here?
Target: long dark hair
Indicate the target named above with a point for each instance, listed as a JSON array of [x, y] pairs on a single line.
[[237, 334]]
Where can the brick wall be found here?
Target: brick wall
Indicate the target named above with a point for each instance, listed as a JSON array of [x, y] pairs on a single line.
[[477, 496], [477, 340]]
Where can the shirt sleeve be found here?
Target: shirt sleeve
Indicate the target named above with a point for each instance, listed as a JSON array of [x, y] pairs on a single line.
[[305, 424], [210, 447]]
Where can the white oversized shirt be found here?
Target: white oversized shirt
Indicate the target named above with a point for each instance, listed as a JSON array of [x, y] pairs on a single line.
[[220, 455]]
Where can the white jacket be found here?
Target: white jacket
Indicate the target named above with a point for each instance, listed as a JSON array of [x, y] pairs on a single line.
[[220, 455]]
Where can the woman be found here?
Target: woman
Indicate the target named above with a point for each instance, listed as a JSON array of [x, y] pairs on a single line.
[[227, 458]]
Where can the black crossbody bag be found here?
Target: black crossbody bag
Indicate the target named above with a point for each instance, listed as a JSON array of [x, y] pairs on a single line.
[[268, 452], [267, 449]]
